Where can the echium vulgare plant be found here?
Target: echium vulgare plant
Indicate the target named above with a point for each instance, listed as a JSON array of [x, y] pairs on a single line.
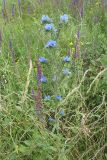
[[53, 68]]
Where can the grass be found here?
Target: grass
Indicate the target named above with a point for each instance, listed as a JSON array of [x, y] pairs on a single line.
[[75, 127]]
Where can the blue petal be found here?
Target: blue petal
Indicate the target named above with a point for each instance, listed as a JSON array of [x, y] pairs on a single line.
[[66, 72], [66, 59], [43, 79], [42, 59], [49, 27], [64, 18], [59, 98], [47, 98], [62, 112], [50, 43], [45, 18]]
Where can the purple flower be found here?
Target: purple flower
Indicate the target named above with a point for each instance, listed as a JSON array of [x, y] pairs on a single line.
[[38, 97], [3, 14], [81, 12], [77, 46], [10, 44], [43, 79], [47, 98], [78, 34], [12, 51], [64, 18], [39, 73], [0, 37], [49, 27], [50, 43], [33, 92], [66, 72], [45, 18], [75, 2], [19, 2], [59, 98], [13, 10], [42, 59], [29, 9], [66, 59]]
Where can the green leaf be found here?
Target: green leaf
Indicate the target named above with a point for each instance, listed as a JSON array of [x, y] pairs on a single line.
[[104, 61], [23, 149], [28, 143]]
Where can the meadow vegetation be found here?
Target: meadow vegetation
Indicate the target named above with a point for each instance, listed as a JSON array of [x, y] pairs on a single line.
[[53, 80]]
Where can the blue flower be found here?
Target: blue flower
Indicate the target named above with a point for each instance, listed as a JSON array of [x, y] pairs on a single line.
[[59, 98], [66, 72], [66, 59], [51, 119], [64, 18], [45, 18], [55, 78], [62, 112], [42, 59], [50, 43], [47, 98], [49, 27], [43, 79]]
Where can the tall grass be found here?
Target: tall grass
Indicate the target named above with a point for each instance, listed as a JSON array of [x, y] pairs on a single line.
[[73, 125]]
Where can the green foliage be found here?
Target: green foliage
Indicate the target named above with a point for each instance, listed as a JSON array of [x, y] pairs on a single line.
[[81, 132]]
